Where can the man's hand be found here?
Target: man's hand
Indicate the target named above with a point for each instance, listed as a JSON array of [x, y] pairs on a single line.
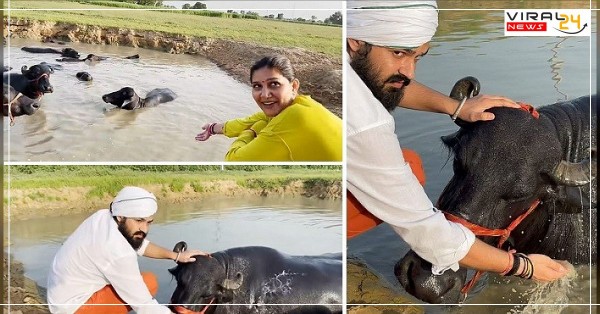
[[187, 256], [473, 109], [546, 269]]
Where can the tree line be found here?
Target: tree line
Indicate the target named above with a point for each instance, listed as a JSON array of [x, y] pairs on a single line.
[[335, 18]]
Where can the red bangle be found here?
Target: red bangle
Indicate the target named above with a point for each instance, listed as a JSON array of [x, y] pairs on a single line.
[[510, 263], [211, 129]]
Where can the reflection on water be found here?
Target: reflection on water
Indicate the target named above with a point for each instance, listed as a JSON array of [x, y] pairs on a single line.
[[536, 70], [74, 124], [297, 226]]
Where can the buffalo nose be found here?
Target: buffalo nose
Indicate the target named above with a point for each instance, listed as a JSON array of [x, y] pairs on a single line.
[[104, 98], [36, 105], [49, 89]]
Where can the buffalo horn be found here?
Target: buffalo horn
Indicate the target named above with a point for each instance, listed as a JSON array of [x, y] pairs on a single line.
[[574, 174], [234, 284]]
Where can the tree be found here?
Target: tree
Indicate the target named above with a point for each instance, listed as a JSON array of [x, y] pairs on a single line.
[[313, 18], [186, 6], [149, 2], [335, 18], [199, 5], [280, 16]]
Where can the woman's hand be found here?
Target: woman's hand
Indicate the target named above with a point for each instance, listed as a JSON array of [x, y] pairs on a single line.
[[546, 269], [473, 109], [206, 134]]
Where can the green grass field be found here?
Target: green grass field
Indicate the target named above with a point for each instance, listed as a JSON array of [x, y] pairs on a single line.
[[320, 38], [110, 179]]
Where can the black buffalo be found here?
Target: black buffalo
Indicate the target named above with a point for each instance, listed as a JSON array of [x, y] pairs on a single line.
[[127, 98], [84, 76], [65, 52], [32, 82], [255, 276], [19, 104], [500, 168]]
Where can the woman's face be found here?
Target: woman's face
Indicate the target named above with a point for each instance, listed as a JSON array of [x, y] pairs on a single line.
[[272, 91]]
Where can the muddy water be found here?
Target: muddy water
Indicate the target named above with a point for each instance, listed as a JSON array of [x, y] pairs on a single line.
[[298, 226], [537, 70], [74, 124]]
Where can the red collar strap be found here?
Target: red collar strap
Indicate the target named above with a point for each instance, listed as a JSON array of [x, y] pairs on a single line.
[[182, 310], [529, 108], [487, 232]]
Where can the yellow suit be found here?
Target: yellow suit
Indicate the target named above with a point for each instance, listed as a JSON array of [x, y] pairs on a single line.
[[304, 131]]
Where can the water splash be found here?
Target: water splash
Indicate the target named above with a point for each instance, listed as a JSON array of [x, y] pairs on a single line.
[[280, 284], [555, 292]]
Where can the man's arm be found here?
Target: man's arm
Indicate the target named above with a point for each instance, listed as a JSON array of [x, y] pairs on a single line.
[[158, 252], [420, 97]]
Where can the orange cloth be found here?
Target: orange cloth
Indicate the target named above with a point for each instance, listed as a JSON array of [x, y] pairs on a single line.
[[108, 295], [359, 218]]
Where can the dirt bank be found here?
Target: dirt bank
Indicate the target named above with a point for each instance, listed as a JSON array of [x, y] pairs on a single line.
[[320, 75], [364, 287], [26, 203], [22, 291]]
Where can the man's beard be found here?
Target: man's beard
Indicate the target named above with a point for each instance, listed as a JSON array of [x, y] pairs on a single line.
[[135, 243], [388, 96]]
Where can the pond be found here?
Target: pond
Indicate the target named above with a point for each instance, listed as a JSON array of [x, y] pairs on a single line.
[[536, 70], [293, 225], [75, 124]]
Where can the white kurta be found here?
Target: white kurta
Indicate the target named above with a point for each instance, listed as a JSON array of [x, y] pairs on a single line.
[[96, 255], [384, 184]]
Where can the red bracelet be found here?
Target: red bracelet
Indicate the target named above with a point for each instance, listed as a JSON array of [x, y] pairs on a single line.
[[510, 263]]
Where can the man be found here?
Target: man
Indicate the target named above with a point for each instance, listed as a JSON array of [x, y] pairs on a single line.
[[385, 41], [98, 264]]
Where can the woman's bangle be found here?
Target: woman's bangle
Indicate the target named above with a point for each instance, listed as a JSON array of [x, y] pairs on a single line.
[[211, 129], [462, 103], [177, 257]]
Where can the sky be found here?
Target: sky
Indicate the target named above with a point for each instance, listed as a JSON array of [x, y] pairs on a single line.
[[290, 9]]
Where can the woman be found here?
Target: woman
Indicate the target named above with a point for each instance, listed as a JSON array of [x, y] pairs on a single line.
[[290, 127]]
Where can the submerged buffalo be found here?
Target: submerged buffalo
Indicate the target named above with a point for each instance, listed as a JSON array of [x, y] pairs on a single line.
[[16, 104], [126, 98], [502, 169], [255, 276]]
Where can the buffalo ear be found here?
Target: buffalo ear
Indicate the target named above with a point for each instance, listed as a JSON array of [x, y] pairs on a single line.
[[450, 140], [181, 246], [174, 271], [24, 70]]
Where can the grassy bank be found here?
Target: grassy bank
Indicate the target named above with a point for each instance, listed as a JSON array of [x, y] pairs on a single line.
[[107, 180], [319, 38], [62, 190]]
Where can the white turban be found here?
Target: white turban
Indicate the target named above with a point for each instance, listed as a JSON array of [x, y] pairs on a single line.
[[134, 202], [397, 24]]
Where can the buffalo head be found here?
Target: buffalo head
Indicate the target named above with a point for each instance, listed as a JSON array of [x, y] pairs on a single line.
[[39, 79], [203, 282], [501, 168]]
